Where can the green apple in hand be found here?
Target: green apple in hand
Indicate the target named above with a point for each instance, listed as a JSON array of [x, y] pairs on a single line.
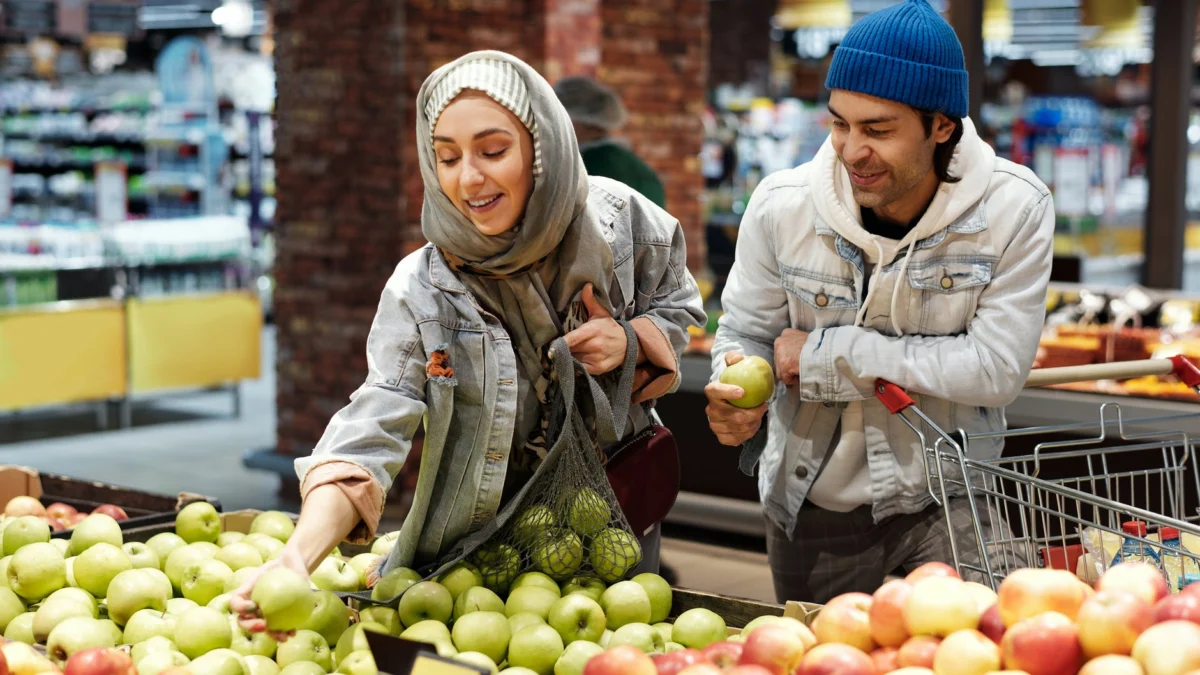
[[36, 571], [205, 580], [537, 648], [484, 632], [198, 521], [641, 635], [625, 602], [75, 635], [755, 377], [384, 616], [284, 599], [659, 592], [240, 555], [575, 658], [426, 600], [335, 574], [477, 599], [613, 553], [457, 579], [305, 645], [24, 531], [698, 628], [275, 524], [259, 665], [532, 599], [577, 617], [589, 513], [97, 528], [141, 556], [96, 567], [152, 645], [146, 624], [394, 583], [163, 544], [202, 630], [330, 616], [585, 584]]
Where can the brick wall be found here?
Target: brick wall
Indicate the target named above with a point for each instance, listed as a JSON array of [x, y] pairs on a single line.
[[654, 53]]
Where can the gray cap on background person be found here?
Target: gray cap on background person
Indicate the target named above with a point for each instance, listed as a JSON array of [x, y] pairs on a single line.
[[591, 103]]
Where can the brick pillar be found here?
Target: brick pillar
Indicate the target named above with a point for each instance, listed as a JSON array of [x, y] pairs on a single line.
[[654, 53]]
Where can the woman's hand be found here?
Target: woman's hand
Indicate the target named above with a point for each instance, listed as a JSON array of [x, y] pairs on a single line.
[[600, 343], [249, 618]]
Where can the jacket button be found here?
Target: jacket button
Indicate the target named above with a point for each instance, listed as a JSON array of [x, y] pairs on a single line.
[[822, 300], [828, 404], [947, 282], [802, 472]]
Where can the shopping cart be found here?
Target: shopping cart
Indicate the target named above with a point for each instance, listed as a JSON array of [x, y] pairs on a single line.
[[1064, 506]]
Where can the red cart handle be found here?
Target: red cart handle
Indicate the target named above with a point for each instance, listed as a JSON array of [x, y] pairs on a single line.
[[895, 399], [1186, 371]]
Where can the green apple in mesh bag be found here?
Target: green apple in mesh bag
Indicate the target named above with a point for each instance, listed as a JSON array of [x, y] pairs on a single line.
[[284, 599], [276, 524], [532, 523], [613, 553], [477, 599], [198, 521], [589, 513], [485, 632], [499, 565], [426, 600], [36, 571], [756, 378], [24, 531], [558, 554], [394, 583]]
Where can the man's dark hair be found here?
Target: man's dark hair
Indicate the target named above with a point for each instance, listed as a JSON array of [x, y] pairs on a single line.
[[945, 150]]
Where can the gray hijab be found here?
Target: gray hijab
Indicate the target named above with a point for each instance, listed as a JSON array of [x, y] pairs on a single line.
[[531, 274]]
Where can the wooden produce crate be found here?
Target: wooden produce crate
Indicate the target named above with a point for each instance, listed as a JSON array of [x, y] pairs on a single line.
[[738, 612], [232, 521]]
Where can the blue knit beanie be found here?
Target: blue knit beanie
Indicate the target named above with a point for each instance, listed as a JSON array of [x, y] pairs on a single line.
[[906, 53]]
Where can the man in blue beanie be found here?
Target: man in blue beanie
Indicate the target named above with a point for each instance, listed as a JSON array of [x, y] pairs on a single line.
[[905, 251]]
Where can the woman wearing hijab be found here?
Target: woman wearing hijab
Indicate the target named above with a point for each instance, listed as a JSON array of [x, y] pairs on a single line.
[[524, 248]]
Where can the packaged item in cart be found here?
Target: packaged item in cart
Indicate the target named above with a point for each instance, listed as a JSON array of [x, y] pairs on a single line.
[[1100, 550], [1177, 561], [1133, 548]]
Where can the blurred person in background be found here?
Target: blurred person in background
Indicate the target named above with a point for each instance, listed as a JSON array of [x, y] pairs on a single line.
[[524, 248], [596, 113]]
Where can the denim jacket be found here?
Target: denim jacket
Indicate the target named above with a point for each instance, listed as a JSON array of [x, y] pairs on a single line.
[[433, 349]]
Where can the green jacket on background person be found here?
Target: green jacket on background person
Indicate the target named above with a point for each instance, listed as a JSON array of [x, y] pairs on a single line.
[[610, 159]]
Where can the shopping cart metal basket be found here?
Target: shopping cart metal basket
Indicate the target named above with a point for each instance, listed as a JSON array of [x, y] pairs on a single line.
[[1065, 504]]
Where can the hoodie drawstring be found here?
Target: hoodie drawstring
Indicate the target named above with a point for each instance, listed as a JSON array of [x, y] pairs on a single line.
[[861, 317], [896, 291]]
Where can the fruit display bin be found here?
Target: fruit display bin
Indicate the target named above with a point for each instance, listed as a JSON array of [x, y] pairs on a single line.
[[142, 508]]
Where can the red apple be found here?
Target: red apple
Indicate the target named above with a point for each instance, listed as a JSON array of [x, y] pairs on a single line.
[[775, 648], [1028, 592], [918, 652], [1181, 607], [1169, 648], [723, 654], [1046, 644], [3, 664], [910, 670], [99, 661], [1113, 664], [886, 659], [836, 659], [802, 631], [1111, 621], [748, 670], [1008, 672], [76, 519], [60, 510], [24, 506], [694, 669], [940, 606], [113, 510], [932, 569], [846, 620], [887, 613], [622, 660], [966, 652], [1142, 579], [991, 625], [673, 662]]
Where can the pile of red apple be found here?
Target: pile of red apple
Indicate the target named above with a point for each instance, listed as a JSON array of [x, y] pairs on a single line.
[[58, 515], [1042, 622]]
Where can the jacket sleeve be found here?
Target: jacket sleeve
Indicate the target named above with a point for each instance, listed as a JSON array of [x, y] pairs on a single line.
[[366, 443], [754, 304], [986, 366]]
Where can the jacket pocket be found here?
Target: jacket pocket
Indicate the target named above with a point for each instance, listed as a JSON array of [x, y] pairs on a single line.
[[818, 300], [947, 290]]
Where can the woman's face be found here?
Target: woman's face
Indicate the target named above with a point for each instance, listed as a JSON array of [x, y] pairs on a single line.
[[484, 161]]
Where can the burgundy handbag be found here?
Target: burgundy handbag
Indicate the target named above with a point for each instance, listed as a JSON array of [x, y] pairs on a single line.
[[644, 474]]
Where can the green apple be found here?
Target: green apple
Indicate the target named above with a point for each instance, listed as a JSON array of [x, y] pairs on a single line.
[[394, 583], [227, 538], [457, 579], [558, 554], [36, 571], [117, 633], [698, 628], [303, 668], [71, 580], [589, 513], [141, 555], [522, 619], [239, 555], [640, 635], [477, 599], [218, 662], [446, 649], [674, 647], [75, 635], [755, 377], [239, 578], [537, 648], [331, 616], [177, 606], [613, 553], [259, 665], [284, 598], [575, 658], [97, 528], [352, 640], [77, 596], [430, 632], [20, 629], [208, 547], [96, 567], [485, 632], [11, 606], [499, 565], [180, 560], [267, 545], [202, 581], [63, 545], [160, 577], [532, 522], [659, 592], [221, 603], [275, 524], [533, 599], [666, 630], [24, 531], [335, 574], [577, 617], [305, 645], [426, 600], [134, 590], [146, 624], [478, 659], [358, 663], [384, 616], [52, 613], [517, 671], [585, 584], [202, 630], [158, 662], [535, 578], [4, 562], [383, 545], [625, 602], [364, 562], [152, 645], [163, 544], [250, 644], [198, 521]]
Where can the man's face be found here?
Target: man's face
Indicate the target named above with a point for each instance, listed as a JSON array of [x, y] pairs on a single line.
[[883, 146]]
